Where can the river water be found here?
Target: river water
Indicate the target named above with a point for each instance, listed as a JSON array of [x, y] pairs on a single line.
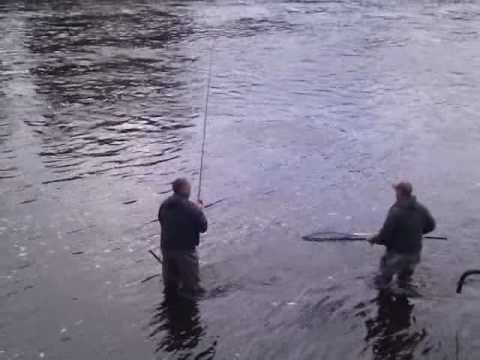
[[315, 108]]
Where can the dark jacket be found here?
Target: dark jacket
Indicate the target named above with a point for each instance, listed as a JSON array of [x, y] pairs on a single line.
[[181, 222], [406, 222]]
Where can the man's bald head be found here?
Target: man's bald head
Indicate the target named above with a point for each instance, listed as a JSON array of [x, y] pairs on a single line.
[[403, 189], [181, 186]]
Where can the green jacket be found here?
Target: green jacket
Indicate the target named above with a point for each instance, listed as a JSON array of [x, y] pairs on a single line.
[[406, 222], [181, 222]]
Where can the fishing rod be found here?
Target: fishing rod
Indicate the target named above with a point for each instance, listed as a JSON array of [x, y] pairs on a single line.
[[204, 141], [155, 256], [205, 119]]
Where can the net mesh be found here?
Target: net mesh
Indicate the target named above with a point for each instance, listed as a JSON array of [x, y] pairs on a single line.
[[333, 236]]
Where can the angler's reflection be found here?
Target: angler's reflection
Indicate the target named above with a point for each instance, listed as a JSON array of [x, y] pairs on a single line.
[[390, 332], [177, 328]]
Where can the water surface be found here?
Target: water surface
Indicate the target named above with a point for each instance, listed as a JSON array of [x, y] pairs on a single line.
[[316, 107]]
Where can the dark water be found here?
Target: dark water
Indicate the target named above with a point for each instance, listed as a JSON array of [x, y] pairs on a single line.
[[315, 108]]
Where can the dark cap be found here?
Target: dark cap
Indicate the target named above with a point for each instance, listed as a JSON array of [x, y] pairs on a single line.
[[405, 187]]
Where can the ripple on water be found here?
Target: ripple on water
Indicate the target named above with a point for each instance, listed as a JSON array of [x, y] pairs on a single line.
[[110, 108], [8, 168]]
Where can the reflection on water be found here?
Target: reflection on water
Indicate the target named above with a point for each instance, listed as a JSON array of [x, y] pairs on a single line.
[[391, 333], [115, 99], [177, 328], [132, 100]]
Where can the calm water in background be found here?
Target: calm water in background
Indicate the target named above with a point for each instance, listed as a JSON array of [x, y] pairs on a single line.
[[315, 108]]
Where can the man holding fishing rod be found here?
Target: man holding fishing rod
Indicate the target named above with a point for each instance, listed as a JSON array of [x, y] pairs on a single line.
[[181, 222], [406, 223]]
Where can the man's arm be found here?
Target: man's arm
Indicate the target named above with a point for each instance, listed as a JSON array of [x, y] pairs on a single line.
[[386, 233], [429, 222], [160, 214], [199, 217], [202, 221]]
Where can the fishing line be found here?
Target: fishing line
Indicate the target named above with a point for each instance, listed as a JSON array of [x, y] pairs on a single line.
[[205, 119]]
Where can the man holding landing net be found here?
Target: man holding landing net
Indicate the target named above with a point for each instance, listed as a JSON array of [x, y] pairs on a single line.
[[406, 223]]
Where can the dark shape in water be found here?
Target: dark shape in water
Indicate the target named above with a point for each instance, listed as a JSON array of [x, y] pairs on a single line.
[[389, 331], [464, 276], [177, 328]]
